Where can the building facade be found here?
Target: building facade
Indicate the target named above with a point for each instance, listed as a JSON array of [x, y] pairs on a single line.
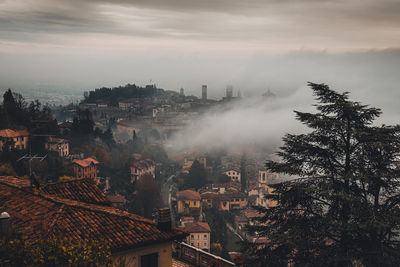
[[142, 167], [59, 145], [234, 174], [199, 235], [189, 202], [14, 139], [86, 168]]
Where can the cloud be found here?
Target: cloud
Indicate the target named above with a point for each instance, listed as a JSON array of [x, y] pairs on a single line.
[[251, 124], [288, 24], [257, 124]]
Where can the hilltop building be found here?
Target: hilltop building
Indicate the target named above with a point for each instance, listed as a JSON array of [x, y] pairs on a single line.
[[204, 93], [229, 92]]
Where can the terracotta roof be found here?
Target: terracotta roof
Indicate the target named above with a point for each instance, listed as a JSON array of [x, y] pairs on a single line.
[[197, 227], [84, 190], [13, 133], [15, 181], [85, 162], [117, 199], [188, 195], [39, 215], [209, 194]]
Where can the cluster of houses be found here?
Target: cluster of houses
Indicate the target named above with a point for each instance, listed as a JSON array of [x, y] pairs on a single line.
[[224, 197]]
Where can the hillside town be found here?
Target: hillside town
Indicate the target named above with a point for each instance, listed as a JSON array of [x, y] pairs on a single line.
[[109, 160], [104, 179]]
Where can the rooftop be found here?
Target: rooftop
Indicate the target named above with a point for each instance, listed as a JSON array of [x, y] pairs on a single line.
[[117, 199], [197, 227], [84, 190], [13, 133], [38, 215], [188, 195], [85, 162]]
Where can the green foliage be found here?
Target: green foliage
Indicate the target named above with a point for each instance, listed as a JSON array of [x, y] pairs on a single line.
[[83, 123], [219, 231], [54, 251], [342, 210], [197, 176], [111, 96], [7, 169], [223, 178], [156, 152], [36, 118], [147, 196]]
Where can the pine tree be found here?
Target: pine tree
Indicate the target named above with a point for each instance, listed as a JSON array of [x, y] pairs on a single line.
[[197, 176], [342, 208]]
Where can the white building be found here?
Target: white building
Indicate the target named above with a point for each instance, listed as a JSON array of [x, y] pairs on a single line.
[[234, 174]]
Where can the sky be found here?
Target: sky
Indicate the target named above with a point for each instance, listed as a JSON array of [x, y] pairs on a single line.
[[253, 45], [84, 44]]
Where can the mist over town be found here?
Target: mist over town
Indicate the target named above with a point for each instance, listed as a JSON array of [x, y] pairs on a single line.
[[199, 133]]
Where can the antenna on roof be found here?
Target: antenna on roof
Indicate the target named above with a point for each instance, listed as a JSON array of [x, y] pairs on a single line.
[[30, 158]]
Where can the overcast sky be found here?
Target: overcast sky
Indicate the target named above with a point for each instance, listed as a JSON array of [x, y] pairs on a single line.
[[252, 44]]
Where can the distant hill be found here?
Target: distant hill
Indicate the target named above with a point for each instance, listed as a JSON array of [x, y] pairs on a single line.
[[112, 96]]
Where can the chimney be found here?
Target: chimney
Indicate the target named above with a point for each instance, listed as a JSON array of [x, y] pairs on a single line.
[[164, 219], [5, 225]]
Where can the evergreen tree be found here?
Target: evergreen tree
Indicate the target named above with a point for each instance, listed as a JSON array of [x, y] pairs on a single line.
[[343, 207], [108, 137], [197, 176]]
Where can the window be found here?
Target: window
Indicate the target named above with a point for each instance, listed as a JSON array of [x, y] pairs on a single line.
[[205, 244], [205, 237], [192, 236], [149, 260], [192, 244]]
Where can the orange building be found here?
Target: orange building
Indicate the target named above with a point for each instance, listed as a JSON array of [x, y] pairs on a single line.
[[86, 168], [228, 200], [14, 139]]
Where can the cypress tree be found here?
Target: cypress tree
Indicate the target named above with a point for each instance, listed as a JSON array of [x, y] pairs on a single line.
[[342, 206]]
